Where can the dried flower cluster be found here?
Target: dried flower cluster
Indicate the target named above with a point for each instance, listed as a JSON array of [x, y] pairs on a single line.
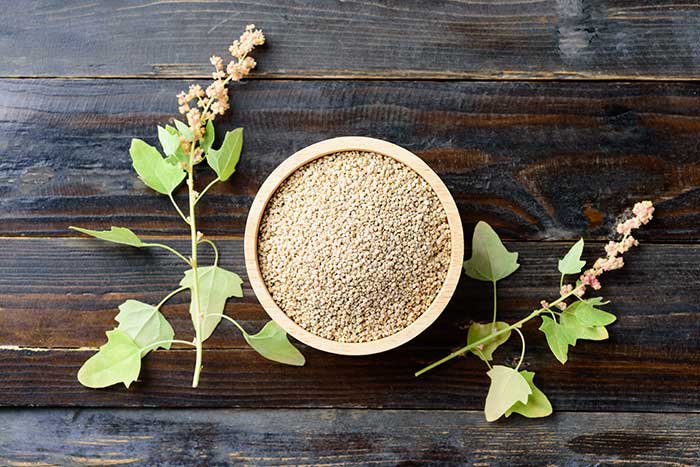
[[642, 214], [214, 100]]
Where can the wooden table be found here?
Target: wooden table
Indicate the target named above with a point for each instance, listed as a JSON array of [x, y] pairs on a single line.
[[545, 118]]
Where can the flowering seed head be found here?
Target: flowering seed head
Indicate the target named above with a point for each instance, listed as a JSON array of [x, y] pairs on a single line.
[[217, 61], [643, 211], [214, 100], [566, 289], [614, 250]]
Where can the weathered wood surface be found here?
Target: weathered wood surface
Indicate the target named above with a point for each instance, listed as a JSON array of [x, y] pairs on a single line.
[[502, 39], [214, 438], [480, 92], [63, 294], [538, 160], [598, 377]]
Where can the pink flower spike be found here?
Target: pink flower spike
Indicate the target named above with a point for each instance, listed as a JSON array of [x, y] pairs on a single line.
[[566, 289], [644, 210], [613, 263], [627, 243], [196, 91], [588, 278], [561, 306], [235, 70], [544, 304], [611, 248], [217, 61], [249, 63]]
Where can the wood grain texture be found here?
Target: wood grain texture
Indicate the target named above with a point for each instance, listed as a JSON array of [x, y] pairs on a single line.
[[481, 95], [214, 438], [598, 377], [63, 293], [538, 160], [505, 39]]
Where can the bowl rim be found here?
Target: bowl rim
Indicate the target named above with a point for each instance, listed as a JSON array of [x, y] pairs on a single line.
[[321, 149]]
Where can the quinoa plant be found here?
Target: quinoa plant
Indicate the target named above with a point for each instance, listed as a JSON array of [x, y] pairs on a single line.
[[141, 326], [565, 320]]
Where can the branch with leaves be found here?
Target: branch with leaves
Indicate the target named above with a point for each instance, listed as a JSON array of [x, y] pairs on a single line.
[[564, 321], [141, 326]]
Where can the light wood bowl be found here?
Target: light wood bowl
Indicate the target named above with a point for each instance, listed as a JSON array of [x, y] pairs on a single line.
[[324, 148]]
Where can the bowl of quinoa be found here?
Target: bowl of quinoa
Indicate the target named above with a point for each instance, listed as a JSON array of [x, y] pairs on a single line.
[[353, 245]]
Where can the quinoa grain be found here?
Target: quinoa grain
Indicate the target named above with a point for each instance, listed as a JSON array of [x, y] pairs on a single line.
[[354, 246]]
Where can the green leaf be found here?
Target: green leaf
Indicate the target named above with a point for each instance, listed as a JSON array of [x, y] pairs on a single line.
[[490, 260], [118, 361], [208, 138], [537, 405], [155, 171], [479, 331], [184, 130], [588, 315], [120, 235], [507, 388], [223, 160], [216, 285], [575, 330], [597, 301], [571, 263], [272, 343], [144, 324], [557, 338], [169, 140]]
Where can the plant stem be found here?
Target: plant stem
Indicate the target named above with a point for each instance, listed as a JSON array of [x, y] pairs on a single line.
[[199, 196], [193, 261], [495, 307], [169, 341], [171, 250], [486, 339], [240, 328], [170, 295], [193, 235], [216, 250], [177, 208], [481, 355], [522, 352]]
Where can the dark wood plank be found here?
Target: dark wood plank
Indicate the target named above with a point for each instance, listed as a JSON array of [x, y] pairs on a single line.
[[64, 293], [598, 377], [215, 438], [503, 39], [538, 160]]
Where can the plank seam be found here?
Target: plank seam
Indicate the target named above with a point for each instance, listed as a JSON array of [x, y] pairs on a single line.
[[618, 80]]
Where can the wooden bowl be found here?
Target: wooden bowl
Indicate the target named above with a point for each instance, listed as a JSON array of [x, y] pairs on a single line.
[[324, 148]]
